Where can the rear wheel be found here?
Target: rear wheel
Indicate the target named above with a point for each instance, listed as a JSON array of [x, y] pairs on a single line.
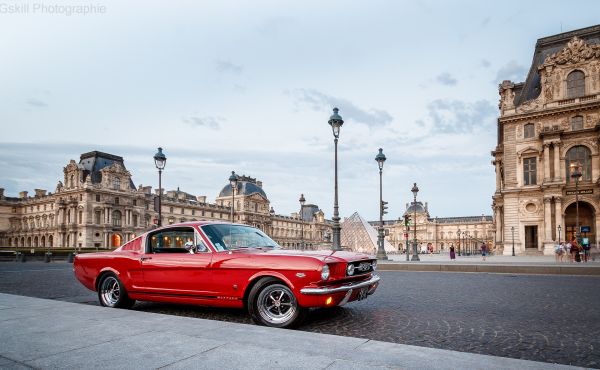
[[272, 303], [112, 293]]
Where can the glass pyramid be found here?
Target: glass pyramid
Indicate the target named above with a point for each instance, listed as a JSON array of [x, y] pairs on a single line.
[[359, 236]]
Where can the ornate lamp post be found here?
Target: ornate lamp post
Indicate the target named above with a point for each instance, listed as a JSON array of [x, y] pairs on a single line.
[[512, 228], [415, 256], [559, 229], [458, 233], [576, 175], [381, 255], [233, 180], [302, 202], [336, 122], [160, 160]]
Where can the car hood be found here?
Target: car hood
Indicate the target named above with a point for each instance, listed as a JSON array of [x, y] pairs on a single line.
[[323, 255]]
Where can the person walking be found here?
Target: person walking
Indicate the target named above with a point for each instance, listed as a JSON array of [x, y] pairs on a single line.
[[557, 252], [452, 254], [575, 251], [483, 251], [568, 251]]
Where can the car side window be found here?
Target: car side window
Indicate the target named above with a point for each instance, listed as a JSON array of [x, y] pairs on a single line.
[[200, 247], [179, 240]]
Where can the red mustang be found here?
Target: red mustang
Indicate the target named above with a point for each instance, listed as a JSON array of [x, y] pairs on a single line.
[[226, 265]]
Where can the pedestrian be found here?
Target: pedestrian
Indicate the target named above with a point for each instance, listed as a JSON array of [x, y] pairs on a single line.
[[557, 252], [483, 250], [452, 254], [575, 251], [586, 250], [562, 251], [568, 251]]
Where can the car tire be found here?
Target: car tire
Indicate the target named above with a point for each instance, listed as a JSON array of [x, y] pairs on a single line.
[[112, 293], [272, 303]]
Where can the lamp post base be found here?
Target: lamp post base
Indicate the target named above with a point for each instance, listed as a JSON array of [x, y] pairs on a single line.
[[415, 257], [382, 256]]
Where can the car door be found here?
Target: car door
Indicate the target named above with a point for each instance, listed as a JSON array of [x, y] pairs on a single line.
[[170, 269]]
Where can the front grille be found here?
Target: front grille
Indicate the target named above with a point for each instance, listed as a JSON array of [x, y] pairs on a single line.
[[361, 267]]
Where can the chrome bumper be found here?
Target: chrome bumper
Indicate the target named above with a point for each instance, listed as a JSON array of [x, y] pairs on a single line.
[[344, 288]]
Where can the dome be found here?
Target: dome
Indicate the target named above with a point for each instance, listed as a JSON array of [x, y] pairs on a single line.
[[418, 207], [243, 188]]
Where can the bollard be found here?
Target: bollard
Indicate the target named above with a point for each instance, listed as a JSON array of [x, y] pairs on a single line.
[[47, 257]]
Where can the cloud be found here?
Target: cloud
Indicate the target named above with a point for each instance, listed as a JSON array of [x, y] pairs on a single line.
[[511, 71], [208, 121], [457, 116], [37, 103], [320, 102], [485, 63], [228, 67], [446, 79]]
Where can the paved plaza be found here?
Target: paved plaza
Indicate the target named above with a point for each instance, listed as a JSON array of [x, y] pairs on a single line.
[[543, 318]]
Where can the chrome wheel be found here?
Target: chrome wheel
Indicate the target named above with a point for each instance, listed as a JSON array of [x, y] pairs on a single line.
[[110, 291], [276, 304]]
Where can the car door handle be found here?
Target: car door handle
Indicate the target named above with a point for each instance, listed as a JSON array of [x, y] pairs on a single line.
[[145, 258]]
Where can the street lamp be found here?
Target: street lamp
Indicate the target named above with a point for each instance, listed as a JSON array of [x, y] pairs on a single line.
[[336, 122], [233, 180], [576, 174], [380, 159], [302, 201], [458, 233], [512, 228], [415, 256], [559, 229], [160, 160]]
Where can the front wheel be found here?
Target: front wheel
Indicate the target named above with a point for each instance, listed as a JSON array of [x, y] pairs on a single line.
[[272, 303], [112, 293]]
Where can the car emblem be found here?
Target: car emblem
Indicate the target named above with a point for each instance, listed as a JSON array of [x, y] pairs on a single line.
[[365, 266]]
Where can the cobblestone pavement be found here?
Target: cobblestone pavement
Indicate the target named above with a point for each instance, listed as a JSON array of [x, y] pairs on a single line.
[[542, 318]]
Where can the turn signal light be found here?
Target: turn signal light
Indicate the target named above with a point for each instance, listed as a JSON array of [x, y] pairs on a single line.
[[329, 300]]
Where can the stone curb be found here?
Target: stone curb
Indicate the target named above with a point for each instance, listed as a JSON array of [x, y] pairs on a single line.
[[491, 268]]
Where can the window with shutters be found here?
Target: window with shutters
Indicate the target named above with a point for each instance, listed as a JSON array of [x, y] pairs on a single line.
[[529, 171]]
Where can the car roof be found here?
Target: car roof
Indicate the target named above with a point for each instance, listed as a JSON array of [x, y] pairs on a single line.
[[197, 223]]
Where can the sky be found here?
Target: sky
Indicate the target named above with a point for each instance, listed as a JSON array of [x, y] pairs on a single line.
[[249, 86]]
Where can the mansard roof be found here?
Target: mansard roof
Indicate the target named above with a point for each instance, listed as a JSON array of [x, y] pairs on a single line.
[[544, 48], [93, 162]]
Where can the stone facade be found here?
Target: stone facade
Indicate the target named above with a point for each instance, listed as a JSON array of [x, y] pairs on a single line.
[[546, 124], [96, 204], [439, 233]]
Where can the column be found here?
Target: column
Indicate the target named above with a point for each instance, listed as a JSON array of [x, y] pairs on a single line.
[[547, 161], [547, 219], [557, 173], [498, 175], [559, 218]]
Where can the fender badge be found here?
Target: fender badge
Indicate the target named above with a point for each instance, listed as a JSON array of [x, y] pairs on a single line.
[[300, 274]]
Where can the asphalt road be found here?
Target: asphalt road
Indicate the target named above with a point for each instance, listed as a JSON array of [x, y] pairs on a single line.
[[541, 318]]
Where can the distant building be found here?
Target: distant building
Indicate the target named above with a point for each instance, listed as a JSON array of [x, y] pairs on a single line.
[[439, 233], [96, 204], [547, 124]]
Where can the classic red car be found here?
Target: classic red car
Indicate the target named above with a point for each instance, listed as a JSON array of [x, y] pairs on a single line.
[[226, 265]]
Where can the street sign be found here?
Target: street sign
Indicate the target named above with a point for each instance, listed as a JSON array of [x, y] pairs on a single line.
[[585, 229]]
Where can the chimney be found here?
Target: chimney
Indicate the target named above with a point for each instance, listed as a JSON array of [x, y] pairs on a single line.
[[23, 194], [157, 191], [147, 189], [426, 207], [201, 198], [407, 206], [259, 183], [40, 193], [1, 193]]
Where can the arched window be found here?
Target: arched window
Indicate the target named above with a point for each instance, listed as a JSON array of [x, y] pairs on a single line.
[[582, 155], [575, 84], [577, 123], [528, 130], [50, 239], [116, 218], [116, 183]]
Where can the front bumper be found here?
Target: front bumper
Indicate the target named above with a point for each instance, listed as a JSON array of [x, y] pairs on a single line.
[[371, 283]]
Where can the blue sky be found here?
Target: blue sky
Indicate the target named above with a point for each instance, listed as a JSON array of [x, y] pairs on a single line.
[[249, 86]]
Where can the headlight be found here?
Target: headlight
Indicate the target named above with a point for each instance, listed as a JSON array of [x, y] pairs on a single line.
[[374, 265], [325, 272], [350, 269]]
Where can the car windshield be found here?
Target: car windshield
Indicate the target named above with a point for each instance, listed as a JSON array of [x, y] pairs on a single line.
[[227, 237]]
